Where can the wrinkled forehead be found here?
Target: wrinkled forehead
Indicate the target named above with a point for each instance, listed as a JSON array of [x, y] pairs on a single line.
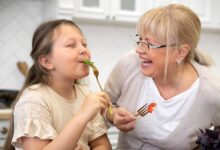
[[153, 27], [159, 23]]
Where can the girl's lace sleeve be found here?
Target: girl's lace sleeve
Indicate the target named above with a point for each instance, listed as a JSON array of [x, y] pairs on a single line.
[[32, 119]]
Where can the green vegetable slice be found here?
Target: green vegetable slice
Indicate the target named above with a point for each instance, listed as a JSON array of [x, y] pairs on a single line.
[[88, 62]]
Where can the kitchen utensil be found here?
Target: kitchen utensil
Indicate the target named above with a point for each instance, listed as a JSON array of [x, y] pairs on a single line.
[[145, 109], [23, 67], [96, 73]]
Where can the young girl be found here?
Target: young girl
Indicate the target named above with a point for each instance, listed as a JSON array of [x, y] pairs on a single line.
[[54, 111]]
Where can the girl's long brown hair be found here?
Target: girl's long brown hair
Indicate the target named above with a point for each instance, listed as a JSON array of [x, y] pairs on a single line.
[[42, 43]]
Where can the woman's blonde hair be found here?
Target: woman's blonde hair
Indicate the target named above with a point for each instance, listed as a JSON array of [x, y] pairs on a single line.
[[175, 24]]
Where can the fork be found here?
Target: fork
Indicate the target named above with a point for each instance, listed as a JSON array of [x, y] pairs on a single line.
[[96, 73], [142, 111], [145, 109]]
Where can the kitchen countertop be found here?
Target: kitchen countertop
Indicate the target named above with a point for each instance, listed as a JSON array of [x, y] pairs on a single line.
[[5, 113]]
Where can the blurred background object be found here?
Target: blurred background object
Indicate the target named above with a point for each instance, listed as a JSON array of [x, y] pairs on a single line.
[[107, 25], [22, 67]]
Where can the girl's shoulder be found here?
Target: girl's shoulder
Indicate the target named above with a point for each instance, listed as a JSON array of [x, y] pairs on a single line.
[[33, 94]]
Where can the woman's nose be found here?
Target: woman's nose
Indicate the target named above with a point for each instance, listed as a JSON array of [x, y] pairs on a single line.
[[139, 50]]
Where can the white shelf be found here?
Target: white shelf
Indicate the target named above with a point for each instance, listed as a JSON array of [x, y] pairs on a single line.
[[5, 113]]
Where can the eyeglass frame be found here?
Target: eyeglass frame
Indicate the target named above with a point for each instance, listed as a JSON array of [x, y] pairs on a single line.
[[150, 46]]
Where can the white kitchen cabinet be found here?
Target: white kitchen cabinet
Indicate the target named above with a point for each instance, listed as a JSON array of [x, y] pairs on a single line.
[[4, 127], [205, 9], [107, 10], [91, 9], [126, 10], [112, 10], [131, 10]]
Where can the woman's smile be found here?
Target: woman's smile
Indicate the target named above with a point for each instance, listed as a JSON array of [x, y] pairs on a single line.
[[146, 63]]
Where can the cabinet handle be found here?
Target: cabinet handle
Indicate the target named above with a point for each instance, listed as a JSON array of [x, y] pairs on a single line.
[[107, 17], [3, 130]]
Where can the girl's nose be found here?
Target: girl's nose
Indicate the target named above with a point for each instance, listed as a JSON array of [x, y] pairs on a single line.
[[82, 50]]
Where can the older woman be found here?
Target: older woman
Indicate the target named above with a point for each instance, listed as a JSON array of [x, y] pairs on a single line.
[[167, 69]]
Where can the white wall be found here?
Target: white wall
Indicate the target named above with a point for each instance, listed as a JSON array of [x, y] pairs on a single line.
[[107, 42], [209, 43], [18, 19]]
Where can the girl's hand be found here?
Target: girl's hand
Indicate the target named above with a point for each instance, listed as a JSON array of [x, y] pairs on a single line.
[[94, 103]]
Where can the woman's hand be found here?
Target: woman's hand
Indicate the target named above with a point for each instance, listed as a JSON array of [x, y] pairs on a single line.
[[123, 120], [94, 103]]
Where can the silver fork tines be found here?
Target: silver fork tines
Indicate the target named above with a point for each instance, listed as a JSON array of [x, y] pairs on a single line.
[[142, 111]]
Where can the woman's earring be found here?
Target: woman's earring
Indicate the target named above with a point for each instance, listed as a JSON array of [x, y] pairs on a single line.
[[178, 62]]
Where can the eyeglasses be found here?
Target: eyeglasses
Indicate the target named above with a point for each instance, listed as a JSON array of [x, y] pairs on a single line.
[[146, 45]]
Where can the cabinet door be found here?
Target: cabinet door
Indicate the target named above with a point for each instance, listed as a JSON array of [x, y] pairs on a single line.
[[125, 10], [4, 127], [91, 9], [208, 12], [205, 9], [120, 10], [202, 9]]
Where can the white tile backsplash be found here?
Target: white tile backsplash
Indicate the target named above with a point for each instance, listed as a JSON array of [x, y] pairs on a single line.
[[19, 18], [33, 8], [9, 31], [107, 42], [209, 43], [9, 11], [9, 50]]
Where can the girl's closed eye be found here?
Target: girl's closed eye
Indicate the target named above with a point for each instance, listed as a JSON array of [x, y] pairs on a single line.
[[71, 45], [85, 45]]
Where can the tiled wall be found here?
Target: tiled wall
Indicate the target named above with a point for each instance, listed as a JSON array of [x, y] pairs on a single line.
[[19, 18]]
